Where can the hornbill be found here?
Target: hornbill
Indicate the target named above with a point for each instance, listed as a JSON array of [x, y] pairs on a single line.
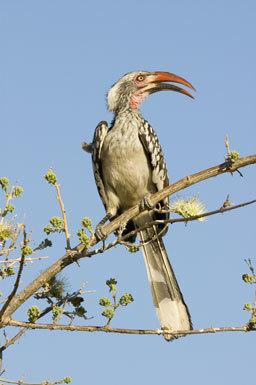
[[129, 165]]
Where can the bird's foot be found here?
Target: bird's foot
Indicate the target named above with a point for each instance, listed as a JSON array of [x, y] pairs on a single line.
[[146, 203], [168, 335], [99, 232]]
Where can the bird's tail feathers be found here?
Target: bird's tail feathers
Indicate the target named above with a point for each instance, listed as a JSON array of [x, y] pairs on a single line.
[[167, 297]]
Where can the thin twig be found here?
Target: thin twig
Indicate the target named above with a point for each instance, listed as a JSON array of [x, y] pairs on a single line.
[[28, 259], [219, 211], [249, 263], [227, 203], [64, 215], [16, 234], [17, 282], [13, 340], [43, 313], [121, 240], [175, 333], [8, 198], [21, 382]]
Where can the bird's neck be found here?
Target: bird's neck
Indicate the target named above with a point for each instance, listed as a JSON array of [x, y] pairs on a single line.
[[128, 119]]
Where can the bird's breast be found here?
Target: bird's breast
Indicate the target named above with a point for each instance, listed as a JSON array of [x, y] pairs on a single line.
[[125, 167]]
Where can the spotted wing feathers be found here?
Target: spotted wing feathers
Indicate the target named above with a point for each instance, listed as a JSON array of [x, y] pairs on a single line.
[[98, 140], [155, 154]]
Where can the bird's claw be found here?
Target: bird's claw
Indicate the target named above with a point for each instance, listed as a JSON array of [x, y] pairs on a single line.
[[146, 203], [100, 233]]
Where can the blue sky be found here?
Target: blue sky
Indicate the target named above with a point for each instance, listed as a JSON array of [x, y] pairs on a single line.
[[58, 60]]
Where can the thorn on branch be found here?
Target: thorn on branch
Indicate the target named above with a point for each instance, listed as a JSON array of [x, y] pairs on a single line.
[[226, 204], [227, 145], [239, 172]]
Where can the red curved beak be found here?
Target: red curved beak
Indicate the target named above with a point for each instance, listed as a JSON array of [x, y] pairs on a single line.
[[157, 83]]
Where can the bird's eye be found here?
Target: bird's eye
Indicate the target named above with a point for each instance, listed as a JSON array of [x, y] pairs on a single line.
[[140, 78]]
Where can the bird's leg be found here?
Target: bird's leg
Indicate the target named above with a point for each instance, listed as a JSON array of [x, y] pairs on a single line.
[[146, 203], [99, 232]]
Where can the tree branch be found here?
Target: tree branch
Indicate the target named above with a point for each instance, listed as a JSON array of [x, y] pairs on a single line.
[[15, 288], [108, 329], [122, 239], [177, 186], [27, 259], [21, 382], [13, 340]]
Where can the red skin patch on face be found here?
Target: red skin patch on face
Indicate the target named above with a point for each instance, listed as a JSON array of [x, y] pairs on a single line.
[[136, 99]]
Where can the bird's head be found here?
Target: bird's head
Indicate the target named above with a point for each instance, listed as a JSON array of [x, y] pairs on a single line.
[[134, 87]]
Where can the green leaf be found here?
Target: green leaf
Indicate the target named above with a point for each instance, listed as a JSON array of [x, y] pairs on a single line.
[[248, 307], [50, 177], [57, 225], [44, 244], [56, 310], [17, 192], [80, 311], [126, 299], [83, 237], [233, 156], [67, 380], [108, 313], [104, 301], [33, 313], [87, 223], [111, 283], [133, 248], [26, 250], [247, 278], [4, 183], [6, 232]]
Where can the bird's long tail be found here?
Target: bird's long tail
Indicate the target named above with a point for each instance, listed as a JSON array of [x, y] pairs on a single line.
[[167, 297]]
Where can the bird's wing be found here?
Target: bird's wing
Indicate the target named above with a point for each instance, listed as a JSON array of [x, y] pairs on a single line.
[[155, 155], [98, 140]]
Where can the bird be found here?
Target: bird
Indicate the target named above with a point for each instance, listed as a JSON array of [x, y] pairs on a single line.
[[129, 165]]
